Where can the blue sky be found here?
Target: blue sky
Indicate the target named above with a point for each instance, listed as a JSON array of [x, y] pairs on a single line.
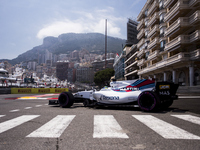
[[24, 23]]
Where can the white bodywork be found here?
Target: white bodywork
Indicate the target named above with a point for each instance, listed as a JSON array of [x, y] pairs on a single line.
[[119, 92]]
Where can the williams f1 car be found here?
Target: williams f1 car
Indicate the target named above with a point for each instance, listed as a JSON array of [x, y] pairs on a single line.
[[147, 94]]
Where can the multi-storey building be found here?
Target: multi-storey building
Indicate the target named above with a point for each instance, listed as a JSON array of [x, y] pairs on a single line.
[[131, 68], [132, 32], [119, 64], [62, 70], [85, 74], [169, 41]]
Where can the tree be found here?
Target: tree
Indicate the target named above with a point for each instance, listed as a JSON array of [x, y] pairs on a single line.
[[102, 78]]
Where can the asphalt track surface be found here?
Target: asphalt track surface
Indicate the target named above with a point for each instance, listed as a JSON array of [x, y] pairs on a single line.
[[28, 122]]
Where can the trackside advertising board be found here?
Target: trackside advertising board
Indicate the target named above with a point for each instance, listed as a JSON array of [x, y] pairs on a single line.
[[37, 90]]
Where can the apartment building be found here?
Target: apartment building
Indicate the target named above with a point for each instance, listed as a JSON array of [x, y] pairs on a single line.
[[169, 41], [131, 68]]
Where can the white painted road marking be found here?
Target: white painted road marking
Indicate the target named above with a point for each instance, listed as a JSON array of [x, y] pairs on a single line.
[[15, 122], [38, 105], [54, 128], [189, 118], [14, 110], [165, 129], [2, 116], [27, 107], [105, 126]]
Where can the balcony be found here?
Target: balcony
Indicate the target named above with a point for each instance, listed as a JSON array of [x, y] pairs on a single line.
[[132, 57], [153, 31], [195, 36], [133, 72], [140, 25], [195, 54], [153, 8], [153, 19], [140, 53], [153, 55], [177, 25], [176, 43], [182, 56], [153, 43], [194, 3], [175, 10], [140, 43], [167, 3], [140, 62], [195, 17], [132, 64], [140, 34]]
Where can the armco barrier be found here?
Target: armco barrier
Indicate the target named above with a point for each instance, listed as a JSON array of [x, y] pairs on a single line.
[[37, 90]]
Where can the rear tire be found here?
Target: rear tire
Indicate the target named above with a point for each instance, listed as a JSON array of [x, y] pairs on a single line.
[[66, 99], [148, 101]]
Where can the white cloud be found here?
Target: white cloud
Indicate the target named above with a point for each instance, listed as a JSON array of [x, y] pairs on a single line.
[[86, 23]]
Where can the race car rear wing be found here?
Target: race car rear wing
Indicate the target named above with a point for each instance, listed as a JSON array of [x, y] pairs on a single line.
[[167, 90]]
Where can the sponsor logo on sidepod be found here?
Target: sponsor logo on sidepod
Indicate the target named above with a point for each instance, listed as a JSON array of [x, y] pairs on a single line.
[[109, 97]]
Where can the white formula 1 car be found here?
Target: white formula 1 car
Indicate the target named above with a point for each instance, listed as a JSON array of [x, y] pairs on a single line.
[[147, 94]]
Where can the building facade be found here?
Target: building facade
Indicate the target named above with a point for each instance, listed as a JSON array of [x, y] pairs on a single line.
[[119, 65], [62, 70], [131, 68], [132, 32], [85, 74], [169, 41]]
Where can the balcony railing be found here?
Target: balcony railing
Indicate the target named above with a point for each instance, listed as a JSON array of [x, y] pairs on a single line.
[[153, 31], [180, 22], [195, 17], [140, 62], [153, 7], [140, 53], [140, 25], [132, 64], [153, 43], [183, 56], [153, 55], [153, 19], [140, 43], [140, 34], [167, 3], [195, 36], [194, 2], [181, 39], [195, 54], [181, 4], [133, 72]]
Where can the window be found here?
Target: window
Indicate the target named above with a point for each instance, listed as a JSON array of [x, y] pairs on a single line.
[[162, 45], [161, 17], [146, 12], [161, 4]]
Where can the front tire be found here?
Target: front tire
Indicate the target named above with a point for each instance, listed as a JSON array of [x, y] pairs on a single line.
[[66, 99], [148, 101]]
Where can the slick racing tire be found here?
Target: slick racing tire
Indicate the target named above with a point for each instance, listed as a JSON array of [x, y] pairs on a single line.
[[66, 99], [148, 101]]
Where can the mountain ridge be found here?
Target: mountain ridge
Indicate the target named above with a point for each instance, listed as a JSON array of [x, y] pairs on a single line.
[[66, 43]]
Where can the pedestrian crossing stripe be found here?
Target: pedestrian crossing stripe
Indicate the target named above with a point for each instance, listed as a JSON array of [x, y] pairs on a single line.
[[53, 128], [190, 118], [16, 122], [105, 126], [166, 130]]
